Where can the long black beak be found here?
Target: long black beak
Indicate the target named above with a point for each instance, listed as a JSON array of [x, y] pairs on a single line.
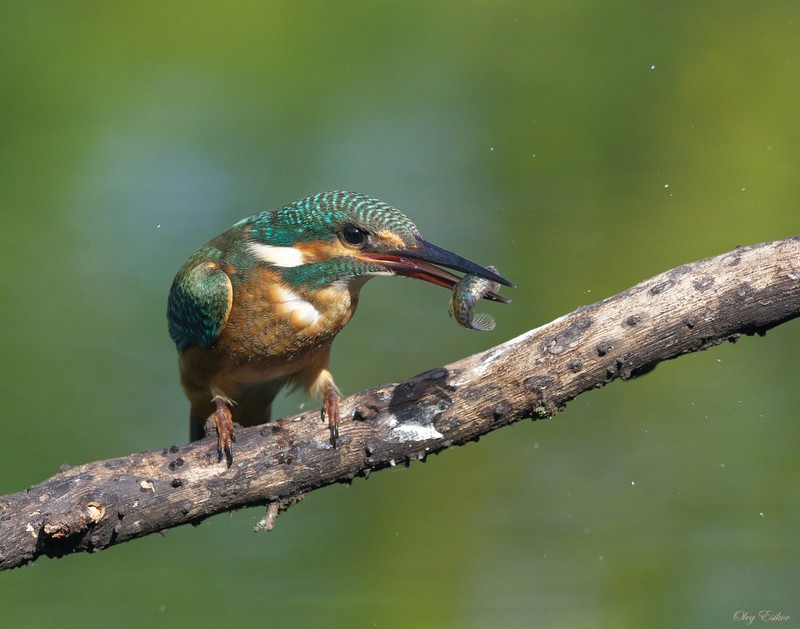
[[419, 261]]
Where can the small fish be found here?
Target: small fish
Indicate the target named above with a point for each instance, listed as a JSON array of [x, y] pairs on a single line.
[[469, 291]]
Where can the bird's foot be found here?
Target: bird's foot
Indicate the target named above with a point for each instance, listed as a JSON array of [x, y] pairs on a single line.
[[330, 410], [225, 436]]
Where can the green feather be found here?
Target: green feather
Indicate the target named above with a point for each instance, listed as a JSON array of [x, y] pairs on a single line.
[[321, 274], [199, 302], [317, 217]]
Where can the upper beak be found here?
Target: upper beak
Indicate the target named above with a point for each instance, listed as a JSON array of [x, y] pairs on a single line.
[[418, 261]]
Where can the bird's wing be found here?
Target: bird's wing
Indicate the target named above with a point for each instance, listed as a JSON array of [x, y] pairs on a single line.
[[199, 304]]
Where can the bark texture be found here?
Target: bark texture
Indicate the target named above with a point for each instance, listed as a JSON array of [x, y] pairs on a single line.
[[692, 307]]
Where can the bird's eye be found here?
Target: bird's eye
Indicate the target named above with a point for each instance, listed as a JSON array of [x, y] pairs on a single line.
[[353, 236]]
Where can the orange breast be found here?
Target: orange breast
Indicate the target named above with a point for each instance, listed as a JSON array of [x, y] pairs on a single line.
[[273, 331]]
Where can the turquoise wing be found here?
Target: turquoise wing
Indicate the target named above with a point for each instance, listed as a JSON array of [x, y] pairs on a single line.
[[199, 304]]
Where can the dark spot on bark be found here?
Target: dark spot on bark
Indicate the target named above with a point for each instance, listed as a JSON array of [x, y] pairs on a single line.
[[537, 383], [435, 374], [690, 322], [405, 412], [633, 320], [683, 269], [558, 343], [284, 458], [603, 348], [703, 283], [270, 429], [174, 465], [174, 449], [707, 341], [500, 410], [551, 346], [661, 287], [176, 482], [403, 392], [575, 365], [638, 372], [626, 366]]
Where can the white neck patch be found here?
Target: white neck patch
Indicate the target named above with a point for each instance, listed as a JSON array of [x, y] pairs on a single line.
[[301, 313], [279, 256]]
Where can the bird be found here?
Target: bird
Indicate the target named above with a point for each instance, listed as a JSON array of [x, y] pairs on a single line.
[[257, 308]]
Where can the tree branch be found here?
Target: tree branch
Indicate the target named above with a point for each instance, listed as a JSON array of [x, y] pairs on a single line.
[[692, 307]]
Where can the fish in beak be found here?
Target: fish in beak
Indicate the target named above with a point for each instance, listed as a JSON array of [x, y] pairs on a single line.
[[420, 262]]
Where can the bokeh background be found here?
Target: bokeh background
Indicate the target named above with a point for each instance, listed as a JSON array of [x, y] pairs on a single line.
[[579, 146]]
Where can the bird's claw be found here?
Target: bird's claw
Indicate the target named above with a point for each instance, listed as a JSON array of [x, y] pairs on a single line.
[[330, 410], [225, 435]]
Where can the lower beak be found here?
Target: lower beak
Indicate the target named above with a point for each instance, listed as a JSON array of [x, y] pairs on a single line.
[[419, 262]]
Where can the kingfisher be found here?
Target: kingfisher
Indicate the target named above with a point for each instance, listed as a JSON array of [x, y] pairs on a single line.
[[256, 309]]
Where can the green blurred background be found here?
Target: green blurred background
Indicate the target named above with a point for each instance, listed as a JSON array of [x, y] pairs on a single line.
[[579, 146]]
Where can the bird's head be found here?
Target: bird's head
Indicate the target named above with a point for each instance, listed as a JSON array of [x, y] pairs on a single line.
[[346, 238]]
